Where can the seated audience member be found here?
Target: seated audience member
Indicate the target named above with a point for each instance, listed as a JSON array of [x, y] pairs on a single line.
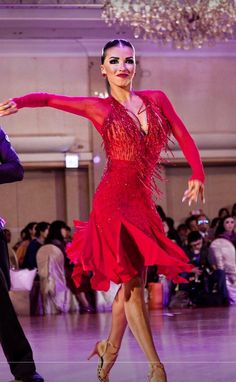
[[68, 237], [191, 223], [215, 221], [56, 296], [213, 227], [41, 234], [223, 212], [203, 224], [27, 234], [172, 234], [223, 252], [183, 232], [12, 254], [58, 236], [161, 212], [226, 229], [207, 284]]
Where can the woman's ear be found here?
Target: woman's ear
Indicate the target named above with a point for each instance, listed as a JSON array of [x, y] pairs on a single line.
[[103, 71]]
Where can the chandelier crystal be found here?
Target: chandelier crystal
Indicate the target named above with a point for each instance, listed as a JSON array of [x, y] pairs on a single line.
[[184, 23]]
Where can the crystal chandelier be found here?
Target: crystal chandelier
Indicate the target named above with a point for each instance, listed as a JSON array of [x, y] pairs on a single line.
[[184, 23]]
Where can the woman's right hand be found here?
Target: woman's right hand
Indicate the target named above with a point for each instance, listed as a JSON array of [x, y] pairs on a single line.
[[8, 107]]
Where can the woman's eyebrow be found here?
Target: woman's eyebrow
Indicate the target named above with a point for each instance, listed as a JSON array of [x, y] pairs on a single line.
[[117, 58]]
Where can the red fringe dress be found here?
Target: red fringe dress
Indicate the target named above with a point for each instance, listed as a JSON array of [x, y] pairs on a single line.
[[124, 233]]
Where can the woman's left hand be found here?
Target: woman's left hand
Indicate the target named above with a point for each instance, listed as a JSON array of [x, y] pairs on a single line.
[[195, 188]]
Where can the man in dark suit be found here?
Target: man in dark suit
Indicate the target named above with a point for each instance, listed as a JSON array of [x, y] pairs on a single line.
[[14, 343], [207, 284]]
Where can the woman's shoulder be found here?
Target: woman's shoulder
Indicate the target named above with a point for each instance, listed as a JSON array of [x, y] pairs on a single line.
[[155, 95]]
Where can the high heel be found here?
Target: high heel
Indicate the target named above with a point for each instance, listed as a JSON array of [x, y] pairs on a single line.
[[107, 354], [157, 373]]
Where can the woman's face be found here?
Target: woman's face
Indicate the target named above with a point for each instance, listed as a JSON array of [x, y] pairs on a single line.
[[229, 224], [33, 231], [166, 227], [44, 233], [223, 213], [63, 232], [119, 66]]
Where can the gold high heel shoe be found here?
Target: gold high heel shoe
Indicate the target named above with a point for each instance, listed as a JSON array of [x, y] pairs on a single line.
[[157, 373], [107, 354]]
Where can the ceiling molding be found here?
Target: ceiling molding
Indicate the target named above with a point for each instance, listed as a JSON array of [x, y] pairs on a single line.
[[92, 48]]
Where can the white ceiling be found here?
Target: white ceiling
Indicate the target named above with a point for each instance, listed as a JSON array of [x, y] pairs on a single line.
[[83, 24]]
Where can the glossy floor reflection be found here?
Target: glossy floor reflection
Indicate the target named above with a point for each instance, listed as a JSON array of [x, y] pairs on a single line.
[[194, 344]]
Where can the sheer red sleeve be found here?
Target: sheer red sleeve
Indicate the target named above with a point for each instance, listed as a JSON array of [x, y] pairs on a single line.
[[183, 137], [91, 108]]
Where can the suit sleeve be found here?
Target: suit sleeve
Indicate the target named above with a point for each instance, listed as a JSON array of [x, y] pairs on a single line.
[[184, 139], [10, 167]]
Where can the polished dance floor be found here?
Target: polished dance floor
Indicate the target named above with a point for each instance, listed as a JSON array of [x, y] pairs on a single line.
[[196, 345]]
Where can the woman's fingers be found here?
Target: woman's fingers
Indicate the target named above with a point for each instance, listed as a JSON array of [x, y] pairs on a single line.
[[190, 191], [195, 188], [7, 108]]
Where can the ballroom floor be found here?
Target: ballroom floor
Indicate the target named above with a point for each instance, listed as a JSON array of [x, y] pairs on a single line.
[[194, 344]]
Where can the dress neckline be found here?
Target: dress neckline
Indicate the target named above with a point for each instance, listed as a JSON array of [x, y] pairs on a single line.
[[143, 132]]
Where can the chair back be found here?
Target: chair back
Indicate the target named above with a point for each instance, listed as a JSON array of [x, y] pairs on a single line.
[[51, 268]]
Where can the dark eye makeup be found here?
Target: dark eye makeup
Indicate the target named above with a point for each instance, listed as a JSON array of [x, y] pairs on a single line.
[[116, 60]]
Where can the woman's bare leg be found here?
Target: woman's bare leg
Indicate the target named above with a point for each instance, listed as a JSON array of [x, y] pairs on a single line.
[[137, 317], [138, 322], [119, 321], [107, 350]]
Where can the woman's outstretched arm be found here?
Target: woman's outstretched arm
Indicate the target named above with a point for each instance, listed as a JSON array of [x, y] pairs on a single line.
[[88, 107], [189, 148]]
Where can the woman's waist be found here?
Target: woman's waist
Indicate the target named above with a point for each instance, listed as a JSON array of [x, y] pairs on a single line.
[[121, 163]]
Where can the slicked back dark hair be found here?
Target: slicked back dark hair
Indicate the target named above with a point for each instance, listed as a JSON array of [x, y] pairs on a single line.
[[112, 44]]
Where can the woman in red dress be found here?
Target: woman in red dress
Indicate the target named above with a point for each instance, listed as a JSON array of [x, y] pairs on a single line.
[[124, 234]]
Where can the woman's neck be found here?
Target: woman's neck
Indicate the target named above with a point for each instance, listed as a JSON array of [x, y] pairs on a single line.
[[122, 95]]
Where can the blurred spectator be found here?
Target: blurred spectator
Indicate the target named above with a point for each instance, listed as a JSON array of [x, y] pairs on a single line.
[[27, 234], [172, 234], [56, 294], [58, 233], [207, 284], [191, 223], [41, 233], [68, 237], [233, 213], [183, 232], [203, 224], [12, 254], [223, 212], [215, 221], [161, 212], [226, 229]]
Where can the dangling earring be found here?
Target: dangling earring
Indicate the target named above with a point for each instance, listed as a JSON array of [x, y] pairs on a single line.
[[104, 75]]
